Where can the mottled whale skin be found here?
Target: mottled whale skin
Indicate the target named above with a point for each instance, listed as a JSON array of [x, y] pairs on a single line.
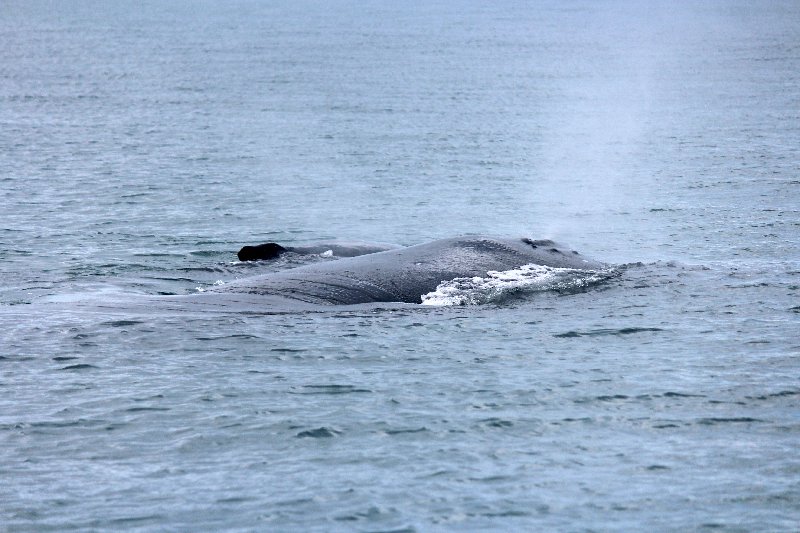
[[406, 274]]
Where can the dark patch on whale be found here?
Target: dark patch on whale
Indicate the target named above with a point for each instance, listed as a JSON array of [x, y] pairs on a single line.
[[268, 250], [405, 274]]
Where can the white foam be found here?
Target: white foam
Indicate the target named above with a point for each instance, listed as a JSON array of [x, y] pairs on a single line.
[[217, 283], [497, 286]]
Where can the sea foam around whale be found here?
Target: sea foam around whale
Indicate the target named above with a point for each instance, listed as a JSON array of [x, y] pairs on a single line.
[[498, 286]]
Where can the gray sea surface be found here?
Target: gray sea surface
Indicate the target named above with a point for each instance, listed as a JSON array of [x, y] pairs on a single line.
[[143, 143]]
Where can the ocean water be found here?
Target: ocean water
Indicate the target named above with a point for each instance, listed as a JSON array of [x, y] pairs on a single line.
[[142, 144]]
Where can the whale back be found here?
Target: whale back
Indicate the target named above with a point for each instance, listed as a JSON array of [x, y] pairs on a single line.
[[404, 275]]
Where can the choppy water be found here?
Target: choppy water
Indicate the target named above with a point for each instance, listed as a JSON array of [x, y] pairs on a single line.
[[142, 145]]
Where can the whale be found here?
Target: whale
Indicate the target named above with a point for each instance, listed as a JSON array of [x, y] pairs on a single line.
[[272, 250], [402, 275]]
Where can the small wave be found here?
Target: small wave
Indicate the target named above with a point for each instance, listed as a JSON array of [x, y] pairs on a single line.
[[498, 286], [732, 420], [598, 332], [319, 433], [327, 389], [422, 429], [81, 366]]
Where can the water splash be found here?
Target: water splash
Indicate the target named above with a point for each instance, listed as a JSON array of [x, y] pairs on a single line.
[[498, 286]]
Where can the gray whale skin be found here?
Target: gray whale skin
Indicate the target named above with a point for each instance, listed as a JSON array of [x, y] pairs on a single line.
[[406, 274]]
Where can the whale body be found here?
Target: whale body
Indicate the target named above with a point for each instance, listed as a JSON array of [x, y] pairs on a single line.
[[406, 274]]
